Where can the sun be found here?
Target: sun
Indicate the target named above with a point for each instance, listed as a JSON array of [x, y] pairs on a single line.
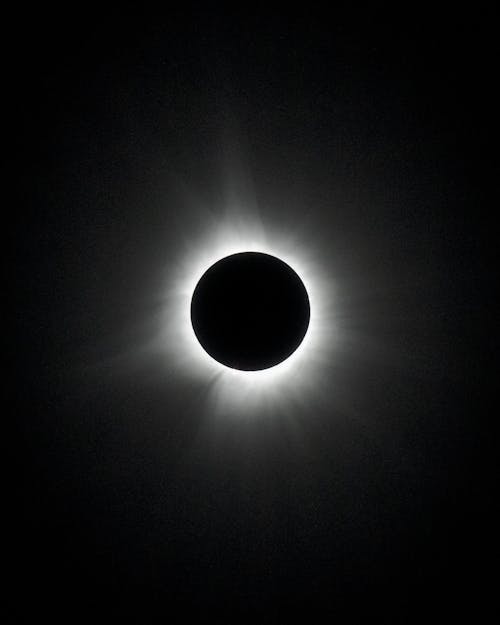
[[232, 391]]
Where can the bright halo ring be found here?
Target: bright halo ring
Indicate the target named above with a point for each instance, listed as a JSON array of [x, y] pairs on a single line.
[[234, 390]]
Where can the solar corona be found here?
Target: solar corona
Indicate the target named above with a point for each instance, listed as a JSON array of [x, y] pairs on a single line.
[[248, 316]]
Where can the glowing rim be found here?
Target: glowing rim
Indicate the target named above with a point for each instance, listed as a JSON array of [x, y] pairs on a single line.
[[234, 388]]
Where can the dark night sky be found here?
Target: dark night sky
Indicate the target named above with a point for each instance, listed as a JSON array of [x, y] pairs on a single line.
[[372, 132]]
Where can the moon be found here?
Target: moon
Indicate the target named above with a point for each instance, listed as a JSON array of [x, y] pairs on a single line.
[[250, 311]]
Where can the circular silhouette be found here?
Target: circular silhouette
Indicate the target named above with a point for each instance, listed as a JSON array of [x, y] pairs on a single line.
[[250, 311]]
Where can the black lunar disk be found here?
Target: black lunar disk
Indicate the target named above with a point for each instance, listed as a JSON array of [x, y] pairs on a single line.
[[250, 311]]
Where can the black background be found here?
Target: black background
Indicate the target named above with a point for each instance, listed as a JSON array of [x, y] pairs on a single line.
[[373, 129]]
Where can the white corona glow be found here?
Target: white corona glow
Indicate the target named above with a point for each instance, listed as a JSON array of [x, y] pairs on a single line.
[[230, 390]]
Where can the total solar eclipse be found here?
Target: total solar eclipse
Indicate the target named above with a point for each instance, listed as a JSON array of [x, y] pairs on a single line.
[[250, 311]]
